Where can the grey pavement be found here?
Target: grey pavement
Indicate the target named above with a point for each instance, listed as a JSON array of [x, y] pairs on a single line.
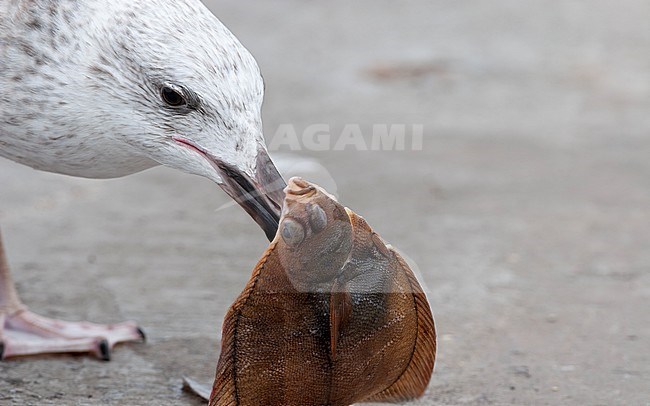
[[527, 211]]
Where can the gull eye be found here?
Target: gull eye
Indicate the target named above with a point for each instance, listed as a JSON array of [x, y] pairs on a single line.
[[292, 232], [172, 97]]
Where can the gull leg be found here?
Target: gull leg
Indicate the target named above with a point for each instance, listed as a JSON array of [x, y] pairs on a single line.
[[25, 333]]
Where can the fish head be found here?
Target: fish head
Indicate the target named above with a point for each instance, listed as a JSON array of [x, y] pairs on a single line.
[[314, 239]]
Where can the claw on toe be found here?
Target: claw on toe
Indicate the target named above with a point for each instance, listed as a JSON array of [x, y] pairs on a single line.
[[104, 350], [143, 336]]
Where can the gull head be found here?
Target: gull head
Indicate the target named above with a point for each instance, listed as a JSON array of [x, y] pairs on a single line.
[[184, 92]]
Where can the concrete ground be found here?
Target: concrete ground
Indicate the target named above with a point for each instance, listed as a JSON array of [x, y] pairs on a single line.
[[527, 210]]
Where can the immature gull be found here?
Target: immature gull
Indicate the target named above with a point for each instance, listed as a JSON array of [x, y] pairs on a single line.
[[103, 89]]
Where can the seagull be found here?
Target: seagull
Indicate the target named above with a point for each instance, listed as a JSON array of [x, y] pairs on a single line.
[[104, 89]]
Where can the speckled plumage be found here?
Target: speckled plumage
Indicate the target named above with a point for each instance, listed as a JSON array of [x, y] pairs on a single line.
[[103, 89], [80, 87]]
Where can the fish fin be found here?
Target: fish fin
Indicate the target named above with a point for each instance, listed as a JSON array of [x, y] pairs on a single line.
[[192, 386], [415, 378], [358, 222], [340, 310], [224, 389]]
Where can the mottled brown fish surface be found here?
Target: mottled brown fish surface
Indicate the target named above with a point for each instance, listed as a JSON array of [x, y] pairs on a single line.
[[330, 316]]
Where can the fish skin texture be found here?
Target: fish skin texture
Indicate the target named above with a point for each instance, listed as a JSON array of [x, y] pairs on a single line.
[[354, 326]]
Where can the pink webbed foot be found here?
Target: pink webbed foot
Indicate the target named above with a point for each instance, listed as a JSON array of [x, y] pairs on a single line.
[[26, 333]]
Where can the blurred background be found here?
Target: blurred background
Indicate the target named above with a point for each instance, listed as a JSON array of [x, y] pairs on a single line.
[[527, 209]]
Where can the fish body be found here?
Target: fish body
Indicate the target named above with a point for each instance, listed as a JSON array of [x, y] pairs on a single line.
[[330, 316]]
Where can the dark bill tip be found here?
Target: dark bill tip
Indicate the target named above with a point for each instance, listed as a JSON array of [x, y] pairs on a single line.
[[261, 198]]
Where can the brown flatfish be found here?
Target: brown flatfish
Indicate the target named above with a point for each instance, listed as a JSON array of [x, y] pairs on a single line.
[[330, 316]]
